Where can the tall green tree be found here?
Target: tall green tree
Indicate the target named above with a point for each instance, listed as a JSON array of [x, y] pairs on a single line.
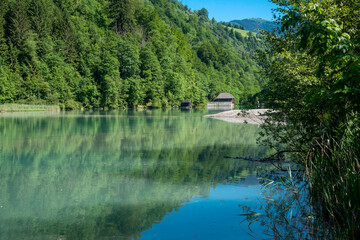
[[313, 66], [151, 75], [19, 23], [3, 10], [123, 13]]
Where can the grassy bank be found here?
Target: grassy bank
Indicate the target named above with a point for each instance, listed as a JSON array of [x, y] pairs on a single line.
[[27, 108], [334, 173]]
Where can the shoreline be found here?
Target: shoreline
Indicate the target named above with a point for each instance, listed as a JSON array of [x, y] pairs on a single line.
[[15, 107], [251, 116]]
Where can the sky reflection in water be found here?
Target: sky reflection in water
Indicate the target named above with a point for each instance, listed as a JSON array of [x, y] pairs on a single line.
[[214, 217]]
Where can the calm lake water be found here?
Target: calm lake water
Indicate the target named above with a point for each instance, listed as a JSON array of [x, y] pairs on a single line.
[[126, 175]]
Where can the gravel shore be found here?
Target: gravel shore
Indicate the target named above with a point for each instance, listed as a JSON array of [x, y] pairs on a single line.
[[251, 116]]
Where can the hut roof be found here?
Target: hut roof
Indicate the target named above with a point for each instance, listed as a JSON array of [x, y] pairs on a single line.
[[186, 101], [225, 96]]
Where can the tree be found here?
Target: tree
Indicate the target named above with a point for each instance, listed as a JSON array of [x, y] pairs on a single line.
[[207, 53], [203, 12], [123, 13], [19, 23], [151, 75], [316, 62], [3, 46], [314, 83], [41, 12], [129, 60]]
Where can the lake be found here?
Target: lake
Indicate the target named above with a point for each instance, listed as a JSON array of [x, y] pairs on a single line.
[[127, 175]]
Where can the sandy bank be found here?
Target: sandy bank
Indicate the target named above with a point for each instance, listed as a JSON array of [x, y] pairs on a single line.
[[252, 116]]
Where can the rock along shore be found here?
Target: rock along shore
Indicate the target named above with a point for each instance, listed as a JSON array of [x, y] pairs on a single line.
[[251, 116]]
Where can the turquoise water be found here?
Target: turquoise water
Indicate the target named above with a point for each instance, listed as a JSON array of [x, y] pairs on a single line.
[[126, 175]]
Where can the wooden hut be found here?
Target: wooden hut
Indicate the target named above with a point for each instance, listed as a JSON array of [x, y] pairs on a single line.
[[225, 98], [185, 104], [224, 101]]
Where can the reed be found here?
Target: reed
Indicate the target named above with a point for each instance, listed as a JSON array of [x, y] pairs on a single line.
[[333, 171], [286, 211]]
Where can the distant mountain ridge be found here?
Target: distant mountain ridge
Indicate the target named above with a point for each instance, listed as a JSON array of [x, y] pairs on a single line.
[[252, 24]]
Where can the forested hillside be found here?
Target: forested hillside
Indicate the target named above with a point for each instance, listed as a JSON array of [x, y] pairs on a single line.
[[255, 24], [120, 53]]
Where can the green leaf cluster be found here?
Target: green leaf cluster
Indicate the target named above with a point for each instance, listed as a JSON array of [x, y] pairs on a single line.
[[313, 67]]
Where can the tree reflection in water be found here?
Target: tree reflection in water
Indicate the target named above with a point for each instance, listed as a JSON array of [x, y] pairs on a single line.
[[111, 175]]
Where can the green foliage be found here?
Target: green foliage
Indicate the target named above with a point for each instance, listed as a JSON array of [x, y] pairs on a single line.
[[123, 13], [203, 13], [7, 88], [118, 54], [313, 71]]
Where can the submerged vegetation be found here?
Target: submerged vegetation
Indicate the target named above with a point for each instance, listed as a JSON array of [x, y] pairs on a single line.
[[313, 67], [120, 53]]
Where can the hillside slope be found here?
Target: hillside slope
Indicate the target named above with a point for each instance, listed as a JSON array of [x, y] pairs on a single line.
[[120, 53]]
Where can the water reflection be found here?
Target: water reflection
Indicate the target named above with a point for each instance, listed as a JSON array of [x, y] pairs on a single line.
[[285, 211], [112, 175]]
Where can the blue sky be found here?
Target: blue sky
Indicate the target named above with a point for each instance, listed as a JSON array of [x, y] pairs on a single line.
[[227, 10]]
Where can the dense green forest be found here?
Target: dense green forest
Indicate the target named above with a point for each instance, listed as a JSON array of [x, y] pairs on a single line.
[[120, 53]]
